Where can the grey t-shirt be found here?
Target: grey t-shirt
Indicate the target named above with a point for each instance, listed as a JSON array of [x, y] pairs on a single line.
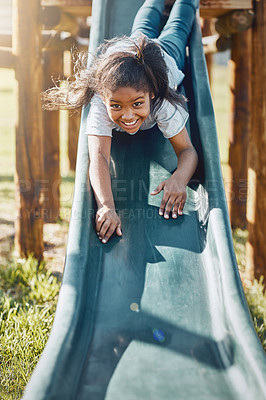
[[169, 118]]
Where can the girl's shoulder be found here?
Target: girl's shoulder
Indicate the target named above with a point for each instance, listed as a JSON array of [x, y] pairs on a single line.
[[98, 121], [171, 119]]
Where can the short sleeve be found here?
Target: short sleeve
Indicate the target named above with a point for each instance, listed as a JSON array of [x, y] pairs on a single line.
[[175, 76], [171, 119], [98, 122]]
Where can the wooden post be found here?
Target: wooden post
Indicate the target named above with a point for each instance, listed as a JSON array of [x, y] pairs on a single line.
[[215, 43], [73, 134], [216, 8], [234, 22], [240, 92], [29, 133], [256, 204], [206, 31], [73, 129], [54, 18], [52, 68]]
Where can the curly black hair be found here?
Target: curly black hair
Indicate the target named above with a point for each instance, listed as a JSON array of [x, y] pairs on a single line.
[[140, 64]]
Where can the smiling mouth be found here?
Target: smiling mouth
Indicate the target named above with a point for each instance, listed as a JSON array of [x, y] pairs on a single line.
[[130, 124]]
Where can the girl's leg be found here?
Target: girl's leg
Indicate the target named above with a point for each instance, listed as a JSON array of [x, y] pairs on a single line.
[[174, 35], [148, 19]]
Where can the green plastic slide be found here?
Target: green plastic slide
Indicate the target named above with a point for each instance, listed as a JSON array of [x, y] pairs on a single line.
[[159, 313]]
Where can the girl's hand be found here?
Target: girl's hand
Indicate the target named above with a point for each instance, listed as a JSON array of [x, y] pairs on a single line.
[[107, 222], [174, 196]]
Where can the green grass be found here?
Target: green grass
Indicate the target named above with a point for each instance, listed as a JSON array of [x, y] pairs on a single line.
[[28, 292], [28, 297], [255, 291], [256, 299], [240, 238]]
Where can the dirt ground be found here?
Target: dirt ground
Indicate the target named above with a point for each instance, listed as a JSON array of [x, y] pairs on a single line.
[[55, 240]]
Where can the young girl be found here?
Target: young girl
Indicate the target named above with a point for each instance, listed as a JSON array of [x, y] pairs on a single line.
[[132, 86]]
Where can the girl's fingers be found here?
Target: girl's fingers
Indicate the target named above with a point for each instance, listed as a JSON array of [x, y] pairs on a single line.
[[178, 207], [104, 228], [177, 204], [181, 206], [169, 205], [118, 230], [110, 231], [175, 210], [98, 226], [158, 189], [100, 218], [108, 234], [163, 204]]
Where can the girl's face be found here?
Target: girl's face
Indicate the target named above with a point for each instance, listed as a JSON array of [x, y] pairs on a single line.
[[128, 108]]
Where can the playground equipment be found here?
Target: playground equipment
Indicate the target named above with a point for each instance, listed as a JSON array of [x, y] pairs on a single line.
[[39, 35], [160, 312]]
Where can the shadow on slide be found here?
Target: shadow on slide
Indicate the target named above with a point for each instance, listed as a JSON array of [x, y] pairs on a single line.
[[159, 313]]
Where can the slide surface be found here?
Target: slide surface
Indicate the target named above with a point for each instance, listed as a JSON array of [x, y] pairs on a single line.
[[159, 313]]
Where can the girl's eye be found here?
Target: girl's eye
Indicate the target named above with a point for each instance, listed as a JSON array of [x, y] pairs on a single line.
[[115, 106], [138, 104]]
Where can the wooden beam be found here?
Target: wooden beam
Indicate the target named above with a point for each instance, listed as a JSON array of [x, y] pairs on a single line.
[[206, 31], [77, 11], [50, 16], [215, 43], [240, 94], [73, 134], [54, 43], [7, 59], [78, 8], [52, 69], [256, 204], [216, 8], [73, 120], [54, 18], [67, 3], [29, 132], [50, 42], [234, 22], [5, 39]]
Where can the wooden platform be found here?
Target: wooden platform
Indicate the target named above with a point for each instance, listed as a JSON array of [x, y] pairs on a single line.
[[216, 8], [79, 8], [208, 8]]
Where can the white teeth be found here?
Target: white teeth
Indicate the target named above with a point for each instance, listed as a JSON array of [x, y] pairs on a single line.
[[130, 123]]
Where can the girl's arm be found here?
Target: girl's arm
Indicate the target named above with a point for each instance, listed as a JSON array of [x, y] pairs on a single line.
[[175, 187], [107, 220]]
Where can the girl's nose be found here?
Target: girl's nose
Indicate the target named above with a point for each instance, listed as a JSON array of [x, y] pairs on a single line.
[[127, 115]]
